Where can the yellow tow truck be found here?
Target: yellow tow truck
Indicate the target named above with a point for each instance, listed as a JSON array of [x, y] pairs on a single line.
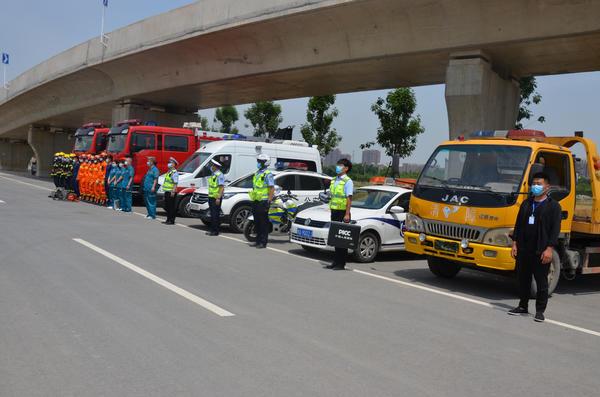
[[465, 202]]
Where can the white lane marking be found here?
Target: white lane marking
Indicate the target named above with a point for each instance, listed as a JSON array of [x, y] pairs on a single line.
[[2, 202], [289, 253], [162, 282], [25, 183], [435, 291], [477, 302], [573, 327]]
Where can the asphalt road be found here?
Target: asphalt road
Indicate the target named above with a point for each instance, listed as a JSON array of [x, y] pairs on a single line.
[[99, 303]]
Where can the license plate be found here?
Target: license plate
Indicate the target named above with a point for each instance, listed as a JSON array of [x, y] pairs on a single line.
[[305, 233], [447, 246]]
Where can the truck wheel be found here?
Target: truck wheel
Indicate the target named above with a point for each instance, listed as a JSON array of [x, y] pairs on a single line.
[[553, 276], [368, 247], [442, 267], [239, 217], [250, 231], [182, 207]]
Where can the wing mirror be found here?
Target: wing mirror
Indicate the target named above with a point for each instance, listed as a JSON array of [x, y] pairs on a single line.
[[324, 197], [397, 210]]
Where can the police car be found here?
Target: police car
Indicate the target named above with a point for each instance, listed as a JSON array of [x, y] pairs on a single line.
[[379, 210], [236, 205]]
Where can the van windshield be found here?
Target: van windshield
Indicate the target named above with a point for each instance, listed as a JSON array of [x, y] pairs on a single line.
[[194, 162]]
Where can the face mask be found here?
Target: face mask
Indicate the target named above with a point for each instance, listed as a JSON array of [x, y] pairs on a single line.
[[149, 164], [171, 165], [259, 165], [537, 190], [339, 169]]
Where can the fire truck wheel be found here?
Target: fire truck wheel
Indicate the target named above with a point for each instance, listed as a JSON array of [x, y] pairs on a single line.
[[553, 276], [442, 267]]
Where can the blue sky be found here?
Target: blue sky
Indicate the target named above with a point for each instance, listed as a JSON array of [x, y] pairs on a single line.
[[34, 30]]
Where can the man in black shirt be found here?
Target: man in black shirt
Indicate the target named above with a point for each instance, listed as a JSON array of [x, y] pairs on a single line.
[[534, 238]]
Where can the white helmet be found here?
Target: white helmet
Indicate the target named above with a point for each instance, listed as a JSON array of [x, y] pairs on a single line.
[[264, 158]]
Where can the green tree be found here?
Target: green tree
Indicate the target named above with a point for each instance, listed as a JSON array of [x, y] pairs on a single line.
[[265, 117], [398, 129], [204, 123], [227, 115], [529, 96], [319, 116]]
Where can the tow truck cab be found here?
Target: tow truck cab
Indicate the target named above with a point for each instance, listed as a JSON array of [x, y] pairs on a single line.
[[465, 202], [91, 138]]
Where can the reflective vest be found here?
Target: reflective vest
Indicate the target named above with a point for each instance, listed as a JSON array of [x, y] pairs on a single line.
[[338, 196], [168, 184], [260, 189], [213, 185]]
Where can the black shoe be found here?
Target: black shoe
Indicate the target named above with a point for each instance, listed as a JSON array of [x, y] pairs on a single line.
[[517, 311], [165, 222], [329, 266], [539, 317], [212, 234], [261, 246], [338, 268], [253, 245]]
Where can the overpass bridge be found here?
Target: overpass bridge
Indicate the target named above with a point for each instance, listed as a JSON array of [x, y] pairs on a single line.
[[216, 52]]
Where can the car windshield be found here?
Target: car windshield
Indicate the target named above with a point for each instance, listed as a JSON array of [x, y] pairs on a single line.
[[116, 143], [83, 143], [497, 168], [371, 199], [193, 162], [243, 182]]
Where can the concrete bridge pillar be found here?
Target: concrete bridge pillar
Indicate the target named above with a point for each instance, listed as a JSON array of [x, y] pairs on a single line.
[[477, 98], [164, 116], [14, 155], [45, 142]]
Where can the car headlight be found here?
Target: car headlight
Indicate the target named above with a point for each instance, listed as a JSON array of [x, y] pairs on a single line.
[[414, 224], [228, 195], [499, 237]]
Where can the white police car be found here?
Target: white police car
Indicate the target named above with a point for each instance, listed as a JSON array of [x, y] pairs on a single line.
[[236, 205], [379, 210]]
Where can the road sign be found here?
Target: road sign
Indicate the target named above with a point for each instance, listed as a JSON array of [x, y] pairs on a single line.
[[5, 58]]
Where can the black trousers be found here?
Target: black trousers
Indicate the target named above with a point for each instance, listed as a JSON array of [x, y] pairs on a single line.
[[170, 201], [215, 215], [530, 265], [260, 210], [339, 258]]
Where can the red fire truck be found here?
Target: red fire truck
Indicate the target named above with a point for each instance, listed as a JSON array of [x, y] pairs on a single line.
[[133, 138], [91, 138]]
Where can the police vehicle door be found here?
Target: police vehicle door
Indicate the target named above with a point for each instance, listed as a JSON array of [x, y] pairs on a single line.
[[394, 223]]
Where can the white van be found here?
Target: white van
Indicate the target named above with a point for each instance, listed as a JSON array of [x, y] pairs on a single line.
[[239, 158]]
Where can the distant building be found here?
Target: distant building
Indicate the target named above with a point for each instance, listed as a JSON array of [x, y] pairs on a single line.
[[334, 156], [371, 157]]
